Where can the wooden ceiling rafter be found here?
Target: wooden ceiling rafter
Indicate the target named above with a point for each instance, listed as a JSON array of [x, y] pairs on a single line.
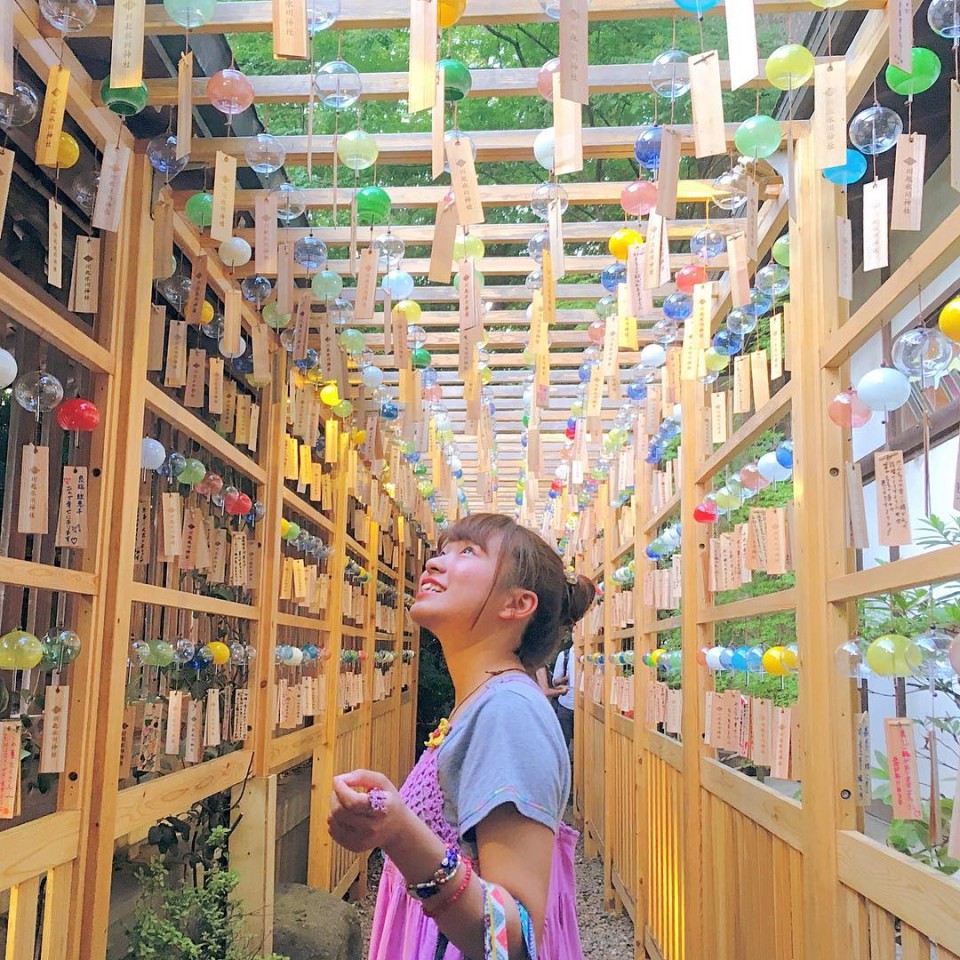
[[256, 16], [496, 233], [493, 146], [606, 193], [516, 266], [620, 78]]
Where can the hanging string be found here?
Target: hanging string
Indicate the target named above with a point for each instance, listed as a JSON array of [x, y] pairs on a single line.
[[311, 101], [336, 165]]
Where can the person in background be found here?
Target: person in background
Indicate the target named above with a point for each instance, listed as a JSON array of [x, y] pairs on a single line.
[[550, 691], [565, 678]]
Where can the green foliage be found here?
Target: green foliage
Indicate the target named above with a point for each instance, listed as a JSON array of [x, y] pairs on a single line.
[[185, 922], [912, 837], [909, 612], [435, 691], [186, 910]]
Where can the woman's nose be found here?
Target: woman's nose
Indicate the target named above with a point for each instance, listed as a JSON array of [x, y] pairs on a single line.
[[434, 563]]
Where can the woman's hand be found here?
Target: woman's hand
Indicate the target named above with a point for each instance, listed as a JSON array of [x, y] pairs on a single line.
[[366, 811]]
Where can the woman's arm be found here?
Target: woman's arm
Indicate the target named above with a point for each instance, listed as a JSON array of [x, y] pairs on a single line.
[[515, 854]]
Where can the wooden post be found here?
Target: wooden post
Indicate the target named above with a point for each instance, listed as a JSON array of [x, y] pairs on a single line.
[[253, 852], [254, 842], [359, 889], [263, 687], [695, 599], [821, 554], [611, 899], [128, 288], [642, 619], [324, 754], [579, 730], [396, 695]]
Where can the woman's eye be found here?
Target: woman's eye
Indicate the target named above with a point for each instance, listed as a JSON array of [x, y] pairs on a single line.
[[468, 549]]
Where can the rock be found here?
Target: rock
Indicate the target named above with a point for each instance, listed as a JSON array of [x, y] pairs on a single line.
[[311, 924]]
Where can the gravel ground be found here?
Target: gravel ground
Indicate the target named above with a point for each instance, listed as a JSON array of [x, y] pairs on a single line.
[[602, 936]]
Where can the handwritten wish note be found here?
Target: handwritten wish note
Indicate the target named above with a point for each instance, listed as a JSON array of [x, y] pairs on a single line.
[[893, 515], [72, 525], [904, 775]]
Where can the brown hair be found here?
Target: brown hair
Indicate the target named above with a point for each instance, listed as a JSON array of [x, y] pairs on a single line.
[[526, 560]]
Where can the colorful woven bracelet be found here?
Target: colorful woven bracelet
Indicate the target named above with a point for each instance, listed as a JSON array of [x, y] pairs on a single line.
[[443, 874], [495, 946], [458, 893]]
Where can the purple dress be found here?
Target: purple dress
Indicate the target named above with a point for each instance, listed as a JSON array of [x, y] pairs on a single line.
[[401, 930]]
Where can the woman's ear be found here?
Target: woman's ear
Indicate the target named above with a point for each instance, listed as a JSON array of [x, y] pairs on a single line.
[[518, 604]]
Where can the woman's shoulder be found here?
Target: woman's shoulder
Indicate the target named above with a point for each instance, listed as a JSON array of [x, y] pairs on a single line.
[[520, 693], [514, 704]]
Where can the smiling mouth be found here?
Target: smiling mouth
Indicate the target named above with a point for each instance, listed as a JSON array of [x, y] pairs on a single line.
[[429, 588]]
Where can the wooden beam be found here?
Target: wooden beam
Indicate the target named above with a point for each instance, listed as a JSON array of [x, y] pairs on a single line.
[[670, 751], [256, 16], [664, 513], [760, 606], [508, 294], [253, 855], [294, 501], [934, 566], [170, 410], [768, 415], [565, 339], [141, 806], [918, 896], [510, 82], [292, 748], [493, 195], [777, 814], [451, 360], [22, 920], [867, 54], [53, 326], [493, 146], [36, 44], [31, 849], [520, 233], [501, 266], [45, 576], [168, 597], [935, 254]]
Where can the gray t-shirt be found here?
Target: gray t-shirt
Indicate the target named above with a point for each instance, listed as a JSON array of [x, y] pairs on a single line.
[[505, 747]]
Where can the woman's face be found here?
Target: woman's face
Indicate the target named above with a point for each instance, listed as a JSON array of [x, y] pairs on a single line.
[[455, 585]]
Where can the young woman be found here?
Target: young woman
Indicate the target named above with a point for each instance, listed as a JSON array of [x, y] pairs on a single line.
[[479, 863]]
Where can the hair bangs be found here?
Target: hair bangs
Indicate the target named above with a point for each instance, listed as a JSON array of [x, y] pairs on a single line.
[[478, 528]]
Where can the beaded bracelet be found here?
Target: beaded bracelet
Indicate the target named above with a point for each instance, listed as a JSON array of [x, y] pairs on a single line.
[[443, 874], [458, 893]]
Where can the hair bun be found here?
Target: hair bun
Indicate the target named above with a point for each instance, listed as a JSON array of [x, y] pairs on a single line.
[[580, 594]]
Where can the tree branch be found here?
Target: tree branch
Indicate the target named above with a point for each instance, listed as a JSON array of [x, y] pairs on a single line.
[[503, 38]]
